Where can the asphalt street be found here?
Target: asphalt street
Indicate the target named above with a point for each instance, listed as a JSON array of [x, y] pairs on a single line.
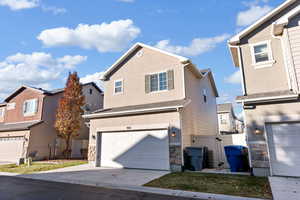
[[14, 188]]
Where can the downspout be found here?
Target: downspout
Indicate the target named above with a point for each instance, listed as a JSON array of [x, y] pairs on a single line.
[[241, 65], [285, 55]]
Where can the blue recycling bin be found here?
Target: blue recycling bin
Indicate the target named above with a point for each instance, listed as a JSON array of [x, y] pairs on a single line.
[[236, 156]]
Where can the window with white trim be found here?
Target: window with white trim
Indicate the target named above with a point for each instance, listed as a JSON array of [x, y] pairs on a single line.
[[158, 82], [261, 53], [118, 86], [2, 110], [223, 119], [30, 107], [11, 106]]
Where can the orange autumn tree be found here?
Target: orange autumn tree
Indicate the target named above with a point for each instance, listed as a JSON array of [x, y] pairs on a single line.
[[68, 115]]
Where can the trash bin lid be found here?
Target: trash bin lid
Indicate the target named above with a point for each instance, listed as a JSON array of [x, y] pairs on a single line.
[[195, 151], [234, 150]]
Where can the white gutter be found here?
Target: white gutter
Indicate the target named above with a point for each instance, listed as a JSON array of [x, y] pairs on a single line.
[[241, 65], [269, 99]]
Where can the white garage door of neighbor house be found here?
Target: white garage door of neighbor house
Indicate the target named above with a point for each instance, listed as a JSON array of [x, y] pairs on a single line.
[[284, 145], [135, 149], [11, 148]]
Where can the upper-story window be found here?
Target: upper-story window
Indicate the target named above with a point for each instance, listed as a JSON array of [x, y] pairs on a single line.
[[91, 91], [2, 110], [161, 81], [11, 106], [118, 87], [30, 107], [262, 53], [204, 95], [223, 119], [158, 82]]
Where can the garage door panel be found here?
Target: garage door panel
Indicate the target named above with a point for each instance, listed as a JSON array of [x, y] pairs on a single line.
[[284, 145], [139, 149], [11, 148]]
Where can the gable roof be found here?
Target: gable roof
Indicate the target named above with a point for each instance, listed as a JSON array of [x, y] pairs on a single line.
[[139, 109], [208, 72], [43, 91], [236, 39], [22, 88], [131, 50]]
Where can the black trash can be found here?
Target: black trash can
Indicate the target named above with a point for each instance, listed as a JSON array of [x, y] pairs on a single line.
[[237, 157], [195, 158]]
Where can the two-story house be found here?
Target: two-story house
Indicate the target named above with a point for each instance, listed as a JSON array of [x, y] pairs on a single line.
[[27, 120], [155, 104], [228, 122], [268, 56]]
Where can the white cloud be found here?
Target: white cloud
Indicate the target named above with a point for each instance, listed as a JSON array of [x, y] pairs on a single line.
[[253, 13], [37, 69], [54, 10], [105, 37], [234, 78], [16, 5], [19, 4], [196, 47], [93, 78]]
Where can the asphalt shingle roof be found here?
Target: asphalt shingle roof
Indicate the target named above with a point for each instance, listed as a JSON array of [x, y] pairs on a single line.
[[18, 126]]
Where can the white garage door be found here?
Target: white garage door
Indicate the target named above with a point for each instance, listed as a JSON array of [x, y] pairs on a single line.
[[11, 148], [284, 145], [136, 149]]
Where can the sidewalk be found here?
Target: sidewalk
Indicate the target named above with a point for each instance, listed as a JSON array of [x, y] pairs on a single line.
[[285, 188]]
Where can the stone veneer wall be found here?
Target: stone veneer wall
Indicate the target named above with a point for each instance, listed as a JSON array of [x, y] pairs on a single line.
[[175, 158], [92, 153]]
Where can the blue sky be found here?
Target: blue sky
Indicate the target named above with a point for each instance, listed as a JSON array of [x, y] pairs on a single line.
[[41, 40]]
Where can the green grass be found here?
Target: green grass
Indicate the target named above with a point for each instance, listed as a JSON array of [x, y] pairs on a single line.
[[38, 167], [237, 185]]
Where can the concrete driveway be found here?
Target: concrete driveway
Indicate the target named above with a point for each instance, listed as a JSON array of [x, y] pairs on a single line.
[[284, 188], [89, 175]]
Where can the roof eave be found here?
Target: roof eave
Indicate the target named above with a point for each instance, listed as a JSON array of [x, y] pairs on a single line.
[[269, 99], [133, 48], [133, 112], [235, 40]]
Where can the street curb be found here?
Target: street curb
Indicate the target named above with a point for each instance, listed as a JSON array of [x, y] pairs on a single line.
[[177, 193]]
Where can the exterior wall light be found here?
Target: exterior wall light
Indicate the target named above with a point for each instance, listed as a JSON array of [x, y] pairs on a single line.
[[258, 131], [94, 137], [173, 134]]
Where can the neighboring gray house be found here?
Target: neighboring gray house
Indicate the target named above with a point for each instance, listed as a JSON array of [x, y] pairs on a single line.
[[228, 122], [268, 56], [155, 104], [27, 119]]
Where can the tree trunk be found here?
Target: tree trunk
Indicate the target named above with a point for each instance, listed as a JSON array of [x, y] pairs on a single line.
[[67, 151]]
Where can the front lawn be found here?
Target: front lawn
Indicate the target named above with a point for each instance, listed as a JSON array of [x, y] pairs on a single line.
[[238, 185], [40, 166]]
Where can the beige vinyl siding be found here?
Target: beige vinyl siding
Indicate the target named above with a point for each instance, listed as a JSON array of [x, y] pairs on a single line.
[[294, 40], [198, 117]]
